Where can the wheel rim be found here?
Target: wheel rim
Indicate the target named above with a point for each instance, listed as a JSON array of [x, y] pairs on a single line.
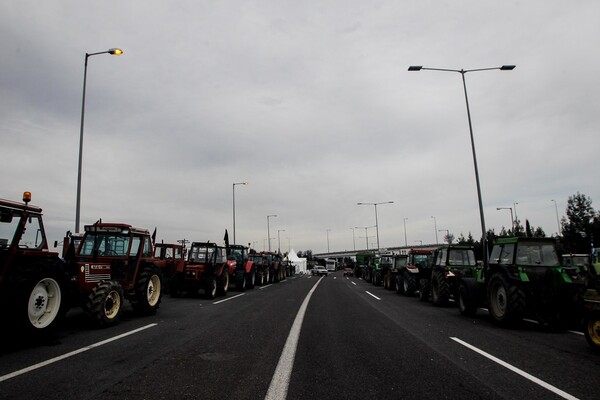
[[593, 331], [112, 304], [153, 291], [44, 303], [405, 284], [498, 303]]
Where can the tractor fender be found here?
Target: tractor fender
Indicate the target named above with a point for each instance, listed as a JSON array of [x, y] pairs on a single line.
[[249, 265]]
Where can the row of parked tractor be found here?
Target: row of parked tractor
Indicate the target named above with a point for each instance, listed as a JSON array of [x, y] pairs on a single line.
[[108, 264], [523, 278]]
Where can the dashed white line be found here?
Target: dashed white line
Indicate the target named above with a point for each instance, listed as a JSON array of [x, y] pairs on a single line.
[[281, 378], [353, 283], [73, 353], [517, 370], [372, 295], [266, 286], [229, 298]]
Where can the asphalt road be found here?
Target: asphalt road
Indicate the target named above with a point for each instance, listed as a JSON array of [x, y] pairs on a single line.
[[351, 340]]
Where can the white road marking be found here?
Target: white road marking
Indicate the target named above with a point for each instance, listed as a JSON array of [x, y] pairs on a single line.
[[353, 283], [517, 370], [281, 378], [266, 286], [73, 353], [372, 295], [229, 298]]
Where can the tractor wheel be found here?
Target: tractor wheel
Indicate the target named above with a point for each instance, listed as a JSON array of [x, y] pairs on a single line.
[[409, 283], [467, 303], [399, 282], [176, 286], [148, 291], [506, 301], [591, 330], [251, 280], [440, 290], [267, 276], [41, 304], [223, 283], [240, 281], [105, 303], [424, 289], [210, 290]]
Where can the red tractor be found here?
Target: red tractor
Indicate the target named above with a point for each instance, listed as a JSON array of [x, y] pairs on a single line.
[[114, 262], [170, 258], [274, 262], [206, 269], [261, 267], [32, 279], [244, 271]]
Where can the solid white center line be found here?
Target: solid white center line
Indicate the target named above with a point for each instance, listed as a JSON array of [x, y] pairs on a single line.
[[73, 353], [517, 370], [281, 378]]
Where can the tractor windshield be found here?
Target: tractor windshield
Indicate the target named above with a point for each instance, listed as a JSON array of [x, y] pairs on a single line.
[[422, 260], [461, 257], [32, 237], [537, 254], [106, 245]]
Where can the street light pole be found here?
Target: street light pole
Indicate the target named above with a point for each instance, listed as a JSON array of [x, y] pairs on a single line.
[[239, 183], [557, 221], [447, 233], [279, 240], [376, 223], [114, 52], [435, 228], [405, 240], [512, 222], [328, 230], [366, 233], [353, 239], [462, 72], [269, 229]]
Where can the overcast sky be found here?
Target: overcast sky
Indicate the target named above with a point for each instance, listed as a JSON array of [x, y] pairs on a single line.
[[311, 103]]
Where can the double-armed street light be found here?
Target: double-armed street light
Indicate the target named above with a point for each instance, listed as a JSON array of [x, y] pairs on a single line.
[[234, 185], [114, 52], [376, 222], [462, 72]]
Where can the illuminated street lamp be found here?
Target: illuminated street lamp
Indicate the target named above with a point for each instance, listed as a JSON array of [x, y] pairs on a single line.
[[114, 52], [462, 72], [376, 223]]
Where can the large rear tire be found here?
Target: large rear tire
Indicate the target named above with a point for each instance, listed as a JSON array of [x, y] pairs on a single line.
[[105, 303], [440, 290], [240, 281], [39, 303], [506, 301], [591, 330], [148, 291], [410, 283], [210, 289], [223, 283], [251, 280], [424, 289]]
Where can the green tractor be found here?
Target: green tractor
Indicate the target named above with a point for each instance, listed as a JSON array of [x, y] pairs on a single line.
[[591, 313], [524, 278], [450, 263]]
